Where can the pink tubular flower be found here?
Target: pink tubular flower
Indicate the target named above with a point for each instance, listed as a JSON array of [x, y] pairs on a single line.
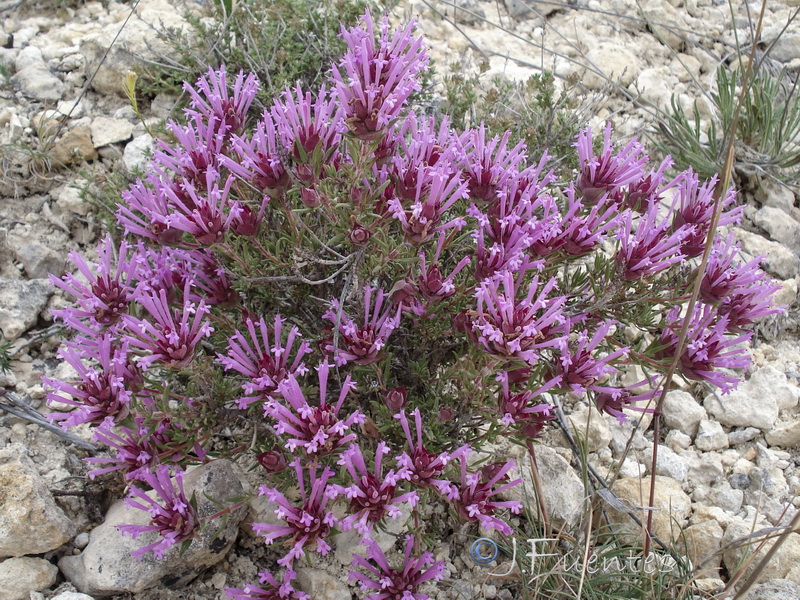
[[651, 248], [582, 232], [396, 584], [101, 392], [146, 208], [607, 172], [266, 366], [174, 518], [695, 209], [519, 409], [489, 164], [212, 99], [707, 348], [258, 160], [364, 345], [377, 81], [305, 124], [315, 429], [612, 401], [273, 591], [209, 280], [307, 524], [372, 494], [430, 283], [436, 192], [172, 334], [197, 151], [512, 328], [422, 467], [580, 365], [206, 215], [473, 496], [108, 290]]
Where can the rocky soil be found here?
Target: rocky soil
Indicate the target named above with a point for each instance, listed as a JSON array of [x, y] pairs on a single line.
[[727, 466]]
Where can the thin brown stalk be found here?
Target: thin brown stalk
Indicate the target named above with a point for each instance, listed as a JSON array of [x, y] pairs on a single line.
[[719, 194]]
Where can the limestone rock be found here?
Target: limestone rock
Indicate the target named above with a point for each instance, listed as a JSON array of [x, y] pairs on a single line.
[[777, 589], [781, 229], [785, 435], [778, 259], [526, 9], [668, 463], [321, 585], [588, 424], [30, 520], [787, 555], [21, 576], [74, 147], [20, 304], [72, 596], [710, 436], [616, 62], [107, 131], [37, 82], [683, 412], [29, 55], [348, 543], [755, 402], [106, 566], [703, 543], [138, 152], [671, 508], [39, 261]]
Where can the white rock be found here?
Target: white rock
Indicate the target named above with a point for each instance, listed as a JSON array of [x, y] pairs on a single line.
[[30, 520], [778, 259], [69, 200], [20, 304], [780, 228], [678, 440], [756, 402], [322, 585], [671, 508], [36, 82], [110, 131], [787, 555], [683, 412], [777, 195], [668, 463], [616, 63], [29, 55], [702, 542], [654, 85], [138, 153], [785, 435], [72, 596], [590, 425], [710, 436], [741, 436], [725, 497], [39, 261], [21, 576], [71, 108]]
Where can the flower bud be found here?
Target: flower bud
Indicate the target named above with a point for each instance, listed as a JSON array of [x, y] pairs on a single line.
[[395, 399], [310, 197], [273, 460], [359, 235]]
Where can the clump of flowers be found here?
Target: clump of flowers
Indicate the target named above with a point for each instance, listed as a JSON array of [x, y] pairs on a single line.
[[445, 285]]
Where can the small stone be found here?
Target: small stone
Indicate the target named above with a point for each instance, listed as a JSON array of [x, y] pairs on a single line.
[[589, 425], [69, 200], [30, 520], [38, 83], [616, 62], [72, 596], [710, 436], [20, 304], [778, 259], [779, 228], [683, 412], [71, 108], [671, 508], [739, 481], [786, 556], [81, 540], [777, 589], [107, 131], [29, 55], [705, 469], [785, 435], [726, 498], [703, 542], [21, 576], [40, 261], [138, 153], [741, 436], [74, 147], [106, 566], [526, 9], [321, 584], [668, 463], [678, 440], [777, 195]]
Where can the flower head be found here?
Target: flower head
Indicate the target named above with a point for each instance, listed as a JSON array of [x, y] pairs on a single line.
[[651, 248], [272, 591], [265, 362], [373, 493], [307, 524], [377, 79], [257, 160], [364, 345], [422, 467], [396, 584], [519, 408], [173, 517], [212, 98], [607, 172], [316, 429]]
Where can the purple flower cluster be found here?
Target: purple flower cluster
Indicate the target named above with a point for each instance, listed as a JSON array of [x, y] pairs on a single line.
[[255, 240]]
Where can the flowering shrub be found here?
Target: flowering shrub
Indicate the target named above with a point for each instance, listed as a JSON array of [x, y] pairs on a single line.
[[412, 266]]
